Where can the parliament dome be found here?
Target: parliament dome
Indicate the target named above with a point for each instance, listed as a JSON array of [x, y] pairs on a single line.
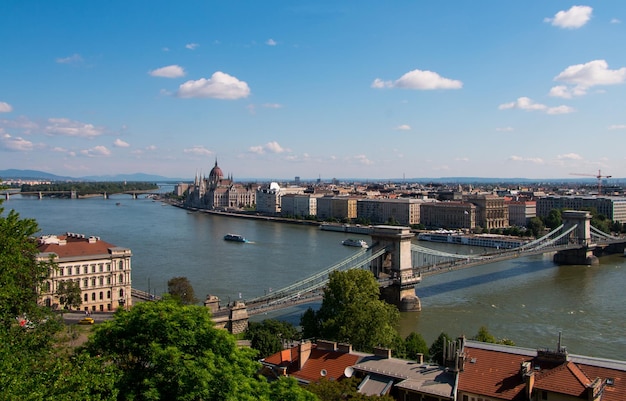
[[216, 173]]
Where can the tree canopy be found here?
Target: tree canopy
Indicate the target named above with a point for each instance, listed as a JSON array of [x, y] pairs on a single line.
[[168, 351], [181, 290], [352, 312]]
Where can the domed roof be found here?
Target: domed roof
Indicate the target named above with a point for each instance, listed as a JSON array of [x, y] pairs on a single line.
[[216, 173]]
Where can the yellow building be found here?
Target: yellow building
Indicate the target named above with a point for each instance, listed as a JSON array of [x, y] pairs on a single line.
[[102, 271]]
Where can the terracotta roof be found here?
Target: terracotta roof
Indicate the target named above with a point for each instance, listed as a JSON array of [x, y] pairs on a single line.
[[493, 374], [565, 379], [333, 362], [76, 247], [614, 391]]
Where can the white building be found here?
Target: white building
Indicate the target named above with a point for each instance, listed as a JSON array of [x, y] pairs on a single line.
[[101, 270]]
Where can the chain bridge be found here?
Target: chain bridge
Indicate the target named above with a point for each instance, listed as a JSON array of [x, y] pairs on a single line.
[[399, 264]]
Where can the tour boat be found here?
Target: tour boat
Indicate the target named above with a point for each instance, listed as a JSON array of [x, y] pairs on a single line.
[[235, 238], [354, 242]]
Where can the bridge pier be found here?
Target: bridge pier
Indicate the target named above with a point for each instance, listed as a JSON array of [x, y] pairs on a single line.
[[7, 196], [394, 267], [581, 235], [105, 195], [40, 195]]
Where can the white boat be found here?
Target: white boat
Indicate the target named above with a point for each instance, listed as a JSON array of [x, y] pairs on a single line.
[[235, 238], [355, 242]]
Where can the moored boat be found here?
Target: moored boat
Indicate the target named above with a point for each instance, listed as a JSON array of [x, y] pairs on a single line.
[[234, 238], [355, 242]]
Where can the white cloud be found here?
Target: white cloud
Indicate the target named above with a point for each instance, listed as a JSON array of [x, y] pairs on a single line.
[[272, 105], [525, 103], [120, 144], [570, 156], [96, 151], [403, 127], [219, 86], [15, 143], [615, 21], [584, 76], [560, 110], [419, 80], [617, 127], [73, 59], [198, 151], [151, 148], [270, 147], [504, 129], [191, 46], [574, 18], [534, 160], [5, 107], [66, 127], [271, 42], [362, 159], [462, 159], [170, 71]]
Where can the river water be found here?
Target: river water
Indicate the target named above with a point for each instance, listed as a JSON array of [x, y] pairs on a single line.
[[528, 300]]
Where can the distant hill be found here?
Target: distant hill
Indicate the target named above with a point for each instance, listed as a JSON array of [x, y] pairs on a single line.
[[41, 175]]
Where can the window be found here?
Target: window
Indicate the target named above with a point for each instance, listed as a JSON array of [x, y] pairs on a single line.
[[93, 281], [61, 271], [108, 294], [108, 280], [121, 293], [69, 271], [86, 298], [100, 267], [108, 267], [85, 282], [121, 279], [93, 268], [77, 269], [121, 265], [93, 296], [101, 295], [101, 280], [85, 267]]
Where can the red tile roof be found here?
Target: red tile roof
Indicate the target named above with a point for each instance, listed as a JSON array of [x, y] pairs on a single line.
[[332, 362], [76, 247], [565, 379], [493, 374]]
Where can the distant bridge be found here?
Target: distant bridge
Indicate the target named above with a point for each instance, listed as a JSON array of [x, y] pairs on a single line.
[[72, 194]]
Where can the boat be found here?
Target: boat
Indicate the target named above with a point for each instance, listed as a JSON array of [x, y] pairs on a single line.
[[354, 242], [235, 238]]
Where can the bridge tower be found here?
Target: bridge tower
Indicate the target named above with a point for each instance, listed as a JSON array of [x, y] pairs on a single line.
[[581, 236], [394, 269]]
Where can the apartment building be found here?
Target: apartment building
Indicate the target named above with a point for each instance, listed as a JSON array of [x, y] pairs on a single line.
[[101, 270], [380, 211], [613, 207], [449, 215], [337, 207]]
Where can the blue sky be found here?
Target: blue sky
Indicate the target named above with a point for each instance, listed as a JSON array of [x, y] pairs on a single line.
[[278, 89]]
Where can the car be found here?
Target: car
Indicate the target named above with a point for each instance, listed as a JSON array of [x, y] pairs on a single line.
[[86, 320]]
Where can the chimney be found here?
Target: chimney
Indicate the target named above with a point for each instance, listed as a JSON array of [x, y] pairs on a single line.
[[304, 352], [345, 348], [325, 345], [420, 358], [382, 352]]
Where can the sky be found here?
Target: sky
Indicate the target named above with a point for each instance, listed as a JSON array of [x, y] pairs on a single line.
[[315, 89]]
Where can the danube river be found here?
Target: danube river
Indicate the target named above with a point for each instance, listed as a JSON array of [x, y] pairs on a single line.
[[528, 300]]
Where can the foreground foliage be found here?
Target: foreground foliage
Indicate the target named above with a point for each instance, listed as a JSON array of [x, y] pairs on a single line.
[[168, 351], [352, 312]]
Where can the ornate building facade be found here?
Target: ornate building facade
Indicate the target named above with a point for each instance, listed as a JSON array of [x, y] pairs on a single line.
[[101, 270], [216, 192]]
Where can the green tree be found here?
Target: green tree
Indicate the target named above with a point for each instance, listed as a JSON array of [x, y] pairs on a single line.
[[70, 295], [415, 344], [352, 312], [554, 219], [310, 324], [21, 274], [339, 390], [484, 336], [436, 348], [535, 226], [181, 290], [268, 336], [168, 351]]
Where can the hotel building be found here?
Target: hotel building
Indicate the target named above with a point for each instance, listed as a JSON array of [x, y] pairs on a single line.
[[101, 270]]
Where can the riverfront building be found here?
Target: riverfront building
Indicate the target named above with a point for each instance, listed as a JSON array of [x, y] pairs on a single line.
[[449, 215], [404, 211], [302, 205], [217, 192], [100, 269], [491, 210], [520, 212], [336, 207], [612, 207]]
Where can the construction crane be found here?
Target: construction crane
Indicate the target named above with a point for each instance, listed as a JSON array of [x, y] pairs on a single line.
[[599, 176]]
